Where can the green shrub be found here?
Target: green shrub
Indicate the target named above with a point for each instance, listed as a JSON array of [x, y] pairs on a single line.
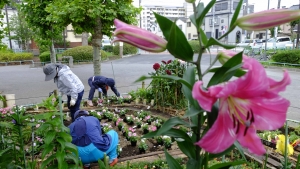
[[195, 45], [44, 48], [127, 49], [45, 57], [81, 53], [108, 48], [9, 56], [287, 56]]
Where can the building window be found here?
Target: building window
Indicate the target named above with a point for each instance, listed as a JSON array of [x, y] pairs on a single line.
[[208, 34], [188, 24], [180, 27], [189, 36], [235, 4], [222, 20]]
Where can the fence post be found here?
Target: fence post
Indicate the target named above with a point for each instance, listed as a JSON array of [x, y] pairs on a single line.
[[70, 60]]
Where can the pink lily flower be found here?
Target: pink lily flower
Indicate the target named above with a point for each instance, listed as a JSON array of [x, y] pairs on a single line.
[[246, 104], [138, 37], [267, 19]]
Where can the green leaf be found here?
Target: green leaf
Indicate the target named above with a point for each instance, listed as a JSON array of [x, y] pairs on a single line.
[[206, 10], [177, 45], [212, 116], [150, 134], [193, 111], [71, 147], [48, 160], [172, 163], [65, 136], [192, 163], [239, 147], [181, 80], [226, 165], [203, 37], [239, 72], [72, 157], [227, 151], [196, 19], [60, 156], [236, 14], [189, 151], [47, 149], [174, 121], [61, 142], [213, 41], [101, 164], [227, 70], [49, 137]]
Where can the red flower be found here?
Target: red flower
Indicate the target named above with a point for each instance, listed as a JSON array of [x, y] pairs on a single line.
[[168, 72], [169, 61], [164, 62], [156, 66]]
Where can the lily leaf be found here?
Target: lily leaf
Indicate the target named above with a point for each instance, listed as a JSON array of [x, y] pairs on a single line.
[[172, 162], [236, 13], [227, 164], [213, 41]]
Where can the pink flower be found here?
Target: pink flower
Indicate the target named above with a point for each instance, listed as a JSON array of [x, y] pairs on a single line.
[[156, 66], [138, 37], [168, 72], [246, 104], [37, 126], [267, 19]]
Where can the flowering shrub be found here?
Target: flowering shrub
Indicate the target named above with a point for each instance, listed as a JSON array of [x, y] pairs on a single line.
[[143, 145], [123, 112], [167, 141], [145, 126], [106, 127], [7, 111], [152, 128], [132, 136], [129, 119], [97, 114]]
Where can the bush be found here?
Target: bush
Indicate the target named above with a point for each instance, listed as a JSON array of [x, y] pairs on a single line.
[[45, 57], [81, 53], [7, 56], [108, 48], [195, 45], [287, 56], [127, 49]]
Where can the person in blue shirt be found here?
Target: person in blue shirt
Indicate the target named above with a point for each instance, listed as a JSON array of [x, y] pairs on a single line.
[[101, 83], [91, 142]]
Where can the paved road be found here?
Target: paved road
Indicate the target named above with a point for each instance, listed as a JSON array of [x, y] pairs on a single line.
[[29, 86]]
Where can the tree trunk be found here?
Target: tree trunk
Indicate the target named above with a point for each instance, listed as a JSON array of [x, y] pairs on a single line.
[[85, 37], [52, 53], [97, 43]]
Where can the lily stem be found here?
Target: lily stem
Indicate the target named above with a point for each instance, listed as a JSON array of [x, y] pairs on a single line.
[[206, 71]]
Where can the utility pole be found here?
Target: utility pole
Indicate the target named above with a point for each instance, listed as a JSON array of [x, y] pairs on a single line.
[[265, 57], [7, 25], [213, 22], [297, 44], [246, 37], [276, 28]]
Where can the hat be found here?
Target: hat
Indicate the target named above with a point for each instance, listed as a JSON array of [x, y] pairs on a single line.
[[110, 82], [50, 71], [80, 113]]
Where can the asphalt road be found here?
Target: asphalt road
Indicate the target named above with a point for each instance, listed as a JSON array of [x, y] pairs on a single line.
[[29, 86]]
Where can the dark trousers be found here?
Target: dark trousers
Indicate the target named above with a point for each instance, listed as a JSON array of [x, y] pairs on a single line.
[[92, 90], [76, 107]]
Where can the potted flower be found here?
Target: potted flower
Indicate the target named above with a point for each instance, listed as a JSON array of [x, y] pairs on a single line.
[[167, 141], [115, 119], [133, 138], [159, 140], [152, 128], [145, 128], [157, 124], [138, 123], [129, 120], [143, 146], [123, 112], [119, 150], [120, 125], [110, 116], [148, 119], [125, 131], [106, 127]]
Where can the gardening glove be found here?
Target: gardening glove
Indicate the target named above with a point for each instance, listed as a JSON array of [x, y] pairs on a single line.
[[100, 90], [72, 102]]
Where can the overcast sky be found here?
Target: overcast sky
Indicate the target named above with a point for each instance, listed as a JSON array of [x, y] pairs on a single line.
[[259, 4]]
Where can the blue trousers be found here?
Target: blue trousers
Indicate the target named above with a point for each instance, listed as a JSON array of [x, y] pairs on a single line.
[[92, 90], [91, 153], [76, 107]]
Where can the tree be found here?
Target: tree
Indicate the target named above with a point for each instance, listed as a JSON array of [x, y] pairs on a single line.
[[272, 30], [95, 17], [2, 4], [45, 30], [22, 33]]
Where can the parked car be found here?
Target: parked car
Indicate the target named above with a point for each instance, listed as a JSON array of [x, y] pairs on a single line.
[[106, 42], [249, 43], [279, 43], [291, 45]]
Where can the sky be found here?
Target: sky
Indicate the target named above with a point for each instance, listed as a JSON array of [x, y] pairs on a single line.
[[259, 4]]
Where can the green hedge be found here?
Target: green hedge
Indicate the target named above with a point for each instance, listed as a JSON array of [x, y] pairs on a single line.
[[81, 53], [108, 48], [287, 56], [127, 49], [8, 56], [45, 57], [195, 45]]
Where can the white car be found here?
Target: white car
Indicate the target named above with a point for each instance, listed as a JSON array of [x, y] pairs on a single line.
[[106, 42], [249, 43], [279, 43]]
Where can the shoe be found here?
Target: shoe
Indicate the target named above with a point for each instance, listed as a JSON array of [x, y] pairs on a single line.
[[114, 162], [87, 166], [90, 103]]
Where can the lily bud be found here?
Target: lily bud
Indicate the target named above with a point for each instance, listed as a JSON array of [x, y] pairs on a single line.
[[267, 19], [138, 37], [225, 55]]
